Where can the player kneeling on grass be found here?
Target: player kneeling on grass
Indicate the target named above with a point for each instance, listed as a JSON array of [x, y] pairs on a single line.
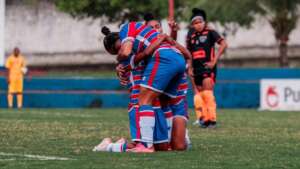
[[113, 50], [133, 110], [178, 105]]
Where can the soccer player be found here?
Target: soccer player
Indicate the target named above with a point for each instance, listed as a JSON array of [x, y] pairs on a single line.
[[201, 43], [178, 105], [176, 108], [16, 67], [166, 64], [134, 73], [158, 74]]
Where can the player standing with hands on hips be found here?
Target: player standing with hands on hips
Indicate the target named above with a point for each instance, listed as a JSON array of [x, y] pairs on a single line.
[[201, 42]]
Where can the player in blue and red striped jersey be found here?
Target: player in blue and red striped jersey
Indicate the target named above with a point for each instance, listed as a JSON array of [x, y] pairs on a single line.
[[136, 37], [161, 131], [178, 104], [165, 65]]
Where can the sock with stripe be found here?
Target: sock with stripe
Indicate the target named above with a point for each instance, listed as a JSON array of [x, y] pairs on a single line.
[[147, 122], [116, 147]]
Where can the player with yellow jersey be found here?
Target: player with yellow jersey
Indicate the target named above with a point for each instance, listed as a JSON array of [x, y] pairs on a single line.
[[16, 68]]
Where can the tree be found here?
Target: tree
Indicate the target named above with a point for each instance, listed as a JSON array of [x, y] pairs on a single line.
[[116, 10], [281, 14]]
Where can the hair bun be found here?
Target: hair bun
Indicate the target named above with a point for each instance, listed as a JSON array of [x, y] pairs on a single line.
[[105, 30]]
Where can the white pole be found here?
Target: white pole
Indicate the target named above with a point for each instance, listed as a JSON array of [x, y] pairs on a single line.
[[2, 37]]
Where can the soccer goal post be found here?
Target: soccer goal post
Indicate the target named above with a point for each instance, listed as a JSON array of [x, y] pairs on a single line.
[[2, 37]]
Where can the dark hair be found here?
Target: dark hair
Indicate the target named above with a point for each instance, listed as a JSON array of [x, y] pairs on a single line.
[[148, 17], [110, 39], [198, 12]]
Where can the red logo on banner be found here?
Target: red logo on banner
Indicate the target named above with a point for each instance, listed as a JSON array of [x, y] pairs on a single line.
[[272, 97]]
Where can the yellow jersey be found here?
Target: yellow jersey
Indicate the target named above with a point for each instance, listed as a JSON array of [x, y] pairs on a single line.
[[15, 65]]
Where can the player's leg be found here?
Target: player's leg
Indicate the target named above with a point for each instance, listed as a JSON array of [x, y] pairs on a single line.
[[169, 118], [161, 137], [178, 137], [11, 91], [10, 98], [107, 145], [161, 69], [19, 88], [134, 127], [147, 115], [20, 100], [200, 104], [209, 99], [178, 141]]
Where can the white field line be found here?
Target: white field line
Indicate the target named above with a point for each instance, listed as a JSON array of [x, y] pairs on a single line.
[[38, 157], [8, 159]]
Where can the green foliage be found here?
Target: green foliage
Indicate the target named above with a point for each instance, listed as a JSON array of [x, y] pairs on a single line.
[[227, 11], [282, 14], [115, 10]]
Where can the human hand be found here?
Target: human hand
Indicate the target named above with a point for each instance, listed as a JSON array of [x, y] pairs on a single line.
[[210, 64], [173, 25], [122, 74]]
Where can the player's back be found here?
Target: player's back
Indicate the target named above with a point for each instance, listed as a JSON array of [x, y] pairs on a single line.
[[142, 36]]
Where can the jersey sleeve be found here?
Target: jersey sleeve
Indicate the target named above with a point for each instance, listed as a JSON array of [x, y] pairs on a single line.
[[127, 32], [216, 37]]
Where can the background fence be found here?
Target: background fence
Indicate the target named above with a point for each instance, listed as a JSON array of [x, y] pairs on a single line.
[[235, 88]]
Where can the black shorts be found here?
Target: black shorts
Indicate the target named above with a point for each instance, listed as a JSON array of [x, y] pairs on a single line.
[[202, 73]]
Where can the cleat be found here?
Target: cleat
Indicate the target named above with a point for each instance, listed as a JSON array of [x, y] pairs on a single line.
[[203, 124], [140, 148], [103, 145], [212, 124]]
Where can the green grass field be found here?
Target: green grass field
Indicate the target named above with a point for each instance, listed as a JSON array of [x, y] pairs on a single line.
[[244, 139]]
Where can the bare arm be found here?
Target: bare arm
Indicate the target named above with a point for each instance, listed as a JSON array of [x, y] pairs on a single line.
[[125, 51], [174, 28], [223, 46], [150, 49], [194, 86], [122, 74]]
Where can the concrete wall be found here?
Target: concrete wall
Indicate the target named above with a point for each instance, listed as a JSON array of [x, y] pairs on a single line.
[[47, 36]]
